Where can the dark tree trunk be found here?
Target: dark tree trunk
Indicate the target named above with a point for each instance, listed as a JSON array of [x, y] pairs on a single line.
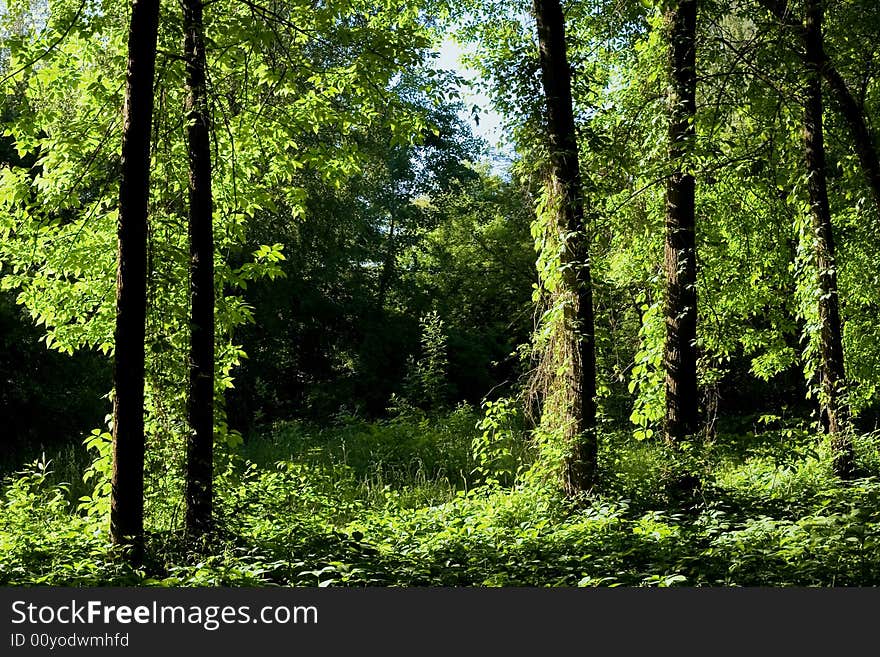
[[578, 383], [831, 369], [853, 114], [200, 397], [680, 351], [862, 139], [127, 491]]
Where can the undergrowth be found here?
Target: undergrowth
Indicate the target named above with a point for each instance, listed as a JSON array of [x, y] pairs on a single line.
[[419, 501]]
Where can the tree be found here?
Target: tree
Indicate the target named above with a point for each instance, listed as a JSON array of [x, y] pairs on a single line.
[[200, 391], [680, 350], [295, 88], [831, 366], [853, 113], [574, 405], [127, 491]]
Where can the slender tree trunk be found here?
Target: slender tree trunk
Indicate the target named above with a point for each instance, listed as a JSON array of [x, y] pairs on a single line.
[[578, 406], [831, 367], [680, 352], [127, 491], [200, 398], [862, 139]]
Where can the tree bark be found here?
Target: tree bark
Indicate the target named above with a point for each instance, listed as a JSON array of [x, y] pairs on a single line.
[[127, 481], [831, 366], [200, 397], [862, 139], [852, 112], [680, 350], [578, 339]]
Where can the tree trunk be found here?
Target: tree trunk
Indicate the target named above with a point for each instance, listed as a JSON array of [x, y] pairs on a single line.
[[862, 139], [853, 114], [831, 369], [577, 340], [127, 491], [680, 351], [200, 397]]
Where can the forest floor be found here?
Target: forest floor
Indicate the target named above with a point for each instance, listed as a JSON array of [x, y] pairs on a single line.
[[402, 502]]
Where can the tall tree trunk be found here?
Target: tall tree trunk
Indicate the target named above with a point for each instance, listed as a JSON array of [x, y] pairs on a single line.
[[862, 139], [577, 341], [831, 368], [680, 351], [127, 491], [200, 397], [853, 114]]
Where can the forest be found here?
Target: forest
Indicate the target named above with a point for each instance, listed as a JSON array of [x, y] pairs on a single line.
[[275, 311]]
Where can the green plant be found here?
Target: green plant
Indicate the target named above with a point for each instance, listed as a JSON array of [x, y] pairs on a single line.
[[499, 449]]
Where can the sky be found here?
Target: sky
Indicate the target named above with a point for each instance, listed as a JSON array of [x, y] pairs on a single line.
[[489, 126]]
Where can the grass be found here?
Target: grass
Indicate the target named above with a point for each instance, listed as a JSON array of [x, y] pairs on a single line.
[[403, 502]]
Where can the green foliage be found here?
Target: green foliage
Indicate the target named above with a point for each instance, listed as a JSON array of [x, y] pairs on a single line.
[[647, 376], [500, 451], [427, 375], [357, 233], [285, 111], [45, 543], [98, 475], [379, 504], [408, 447]]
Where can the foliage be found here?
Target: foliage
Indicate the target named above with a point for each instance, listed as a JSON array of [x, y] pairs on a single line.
[[340, 507], [376, 281], [501, 451], [427, 374], [284, 110]]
